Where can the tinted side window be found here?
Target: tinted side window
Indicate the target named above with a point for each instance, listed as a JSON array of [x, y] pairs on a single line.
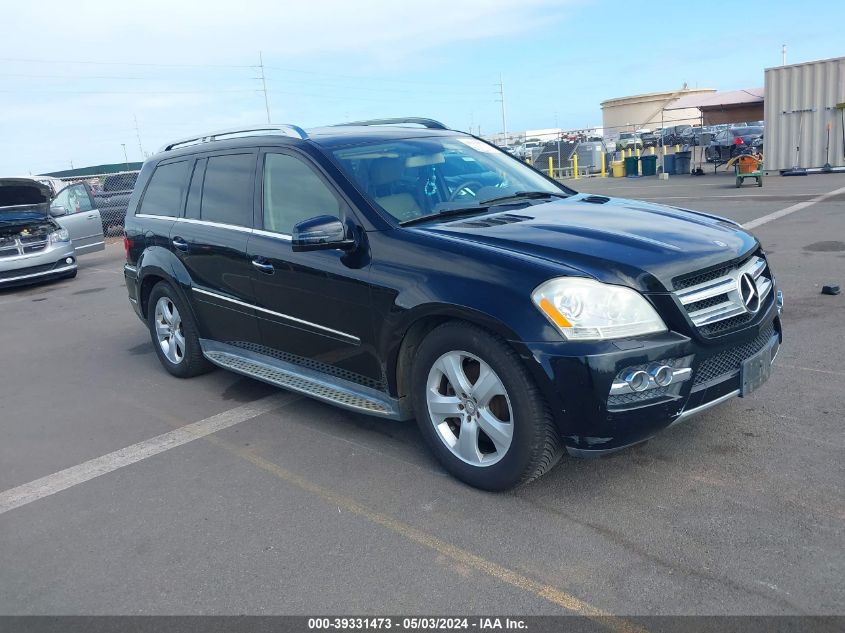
[[164, 193], [192, 208], [227, 191], [292, 193]]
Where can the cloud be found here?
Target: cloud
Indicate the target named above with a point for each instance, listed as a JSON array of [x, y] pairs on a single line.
[[187, 65]]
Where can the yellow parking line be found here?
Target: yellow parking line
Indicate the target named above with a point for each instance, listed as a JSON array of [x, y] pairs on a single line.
[[468, 559]]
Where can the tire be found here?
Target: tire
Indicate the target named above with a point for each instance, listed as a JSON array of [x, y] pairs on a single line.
[[184, 357], [515, 409]]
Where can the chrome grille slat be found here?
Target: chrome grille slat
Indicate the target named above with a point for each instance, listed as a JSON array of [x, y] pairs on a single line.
[[705, 295], [716, 313], [22, 246]]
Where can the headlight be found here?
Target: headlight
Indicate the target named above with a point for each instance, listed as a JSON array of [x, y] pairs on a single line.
[[587, 310], [59, 236]]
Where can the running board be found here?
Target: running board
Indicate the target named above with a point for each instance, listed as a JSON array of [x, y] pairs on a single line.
[[331, 389]]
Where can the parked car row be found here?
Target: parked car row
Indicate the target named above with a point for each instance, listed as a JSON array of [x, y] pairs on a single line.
[[721, 142]]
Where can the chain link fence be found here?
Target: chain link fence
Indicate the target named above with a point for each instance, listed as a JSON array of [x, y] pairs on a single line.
[[111, 197]]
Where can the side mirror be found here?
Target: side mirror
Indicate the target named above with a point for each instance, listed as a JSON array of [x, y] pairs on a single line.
[[58, 211], [322, 233]]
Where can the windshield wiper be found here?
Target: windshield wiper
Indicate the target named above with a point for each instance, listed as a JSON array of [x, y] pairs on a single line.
[[446, 213], [484, 205], [523, 195]]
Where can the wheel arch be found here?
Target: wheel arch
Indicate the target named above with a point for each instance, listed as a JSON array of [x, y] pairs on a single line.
[[158, 264], [418, 324]]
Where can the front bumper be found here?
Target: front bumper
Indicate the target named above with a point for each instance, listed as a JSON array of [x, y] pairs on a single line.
[[54, 260], [577, 383]]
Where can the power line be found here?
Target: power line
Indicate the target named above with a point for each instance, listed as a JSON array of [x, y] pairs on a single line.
[[75, 76], [127, 92], [363, 78], [101, 63]]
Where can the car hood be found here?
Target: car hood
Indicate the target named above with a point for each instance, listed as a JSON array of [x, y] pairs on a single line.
[[23, 199], [628, 242]]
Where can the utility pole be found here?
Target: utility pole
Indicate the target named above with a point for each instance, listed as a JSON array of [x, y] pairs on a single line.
[[783, 55], [138, 134], [264, 84], [125, 157], [501, 100]]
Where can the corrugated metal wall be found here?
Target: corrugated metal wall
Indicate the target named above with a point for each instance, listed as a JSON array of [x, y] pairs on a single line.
[[800, 101]]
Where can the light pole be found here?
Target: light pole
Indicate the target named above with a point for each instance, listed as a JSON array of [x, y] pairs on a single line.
[[125, 157]]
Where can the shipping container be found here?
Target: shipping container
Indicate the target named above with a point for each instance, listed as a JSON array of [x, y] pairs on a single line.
[[801, 101]]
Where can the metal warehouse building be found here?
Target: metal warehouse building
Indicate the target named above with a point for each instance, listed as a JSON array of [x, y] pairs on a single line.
[[805, 115]]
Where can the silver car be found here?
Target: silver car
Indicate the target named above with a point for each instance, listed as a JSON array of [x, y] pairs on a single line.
[[41, 236]]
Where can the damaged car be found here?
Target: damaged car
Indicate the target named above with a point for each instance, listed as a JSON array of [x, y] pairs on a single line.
[[42, 236]]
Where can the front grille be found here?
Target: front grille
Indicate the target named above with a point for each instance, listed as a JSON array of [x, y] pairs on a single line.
[[707, 303], [22, 245], [715, 301], [720, 327], [696, 279], [730, 361], [33, 247]]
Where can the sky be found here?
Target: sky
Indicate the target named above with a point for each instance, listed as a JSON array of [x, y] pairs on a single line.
[[85, 81]]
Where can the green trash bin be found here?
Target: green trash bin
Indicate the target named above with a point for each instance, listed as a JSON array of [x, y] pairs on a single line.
[[632, 166], [682, 163], [649, 165]]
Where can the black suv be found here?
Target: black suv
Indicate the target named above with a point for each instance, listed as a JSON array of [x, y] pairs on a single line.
[[423, 273]]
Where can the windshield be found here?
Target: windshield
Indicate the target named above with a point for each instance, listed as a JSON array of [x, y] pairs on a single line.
[[415, 177], [627, 135]]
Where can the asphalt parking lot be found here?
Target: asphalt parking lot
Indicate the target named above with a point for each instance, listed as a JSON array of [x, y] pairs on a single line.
[[295, 507]]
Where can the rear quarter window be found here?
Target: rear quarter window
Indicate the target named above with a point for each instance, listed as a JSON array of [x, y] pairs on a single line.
[[228, 188], [166, 190]]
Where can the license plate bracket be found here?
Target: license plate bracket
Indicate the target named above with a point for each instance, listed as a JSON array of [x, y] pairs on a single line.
[[757, 369]]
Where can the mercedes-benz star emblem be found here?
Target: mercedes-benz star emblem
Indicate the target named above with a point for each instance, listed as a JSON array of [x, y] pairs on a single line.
[[748, 292]]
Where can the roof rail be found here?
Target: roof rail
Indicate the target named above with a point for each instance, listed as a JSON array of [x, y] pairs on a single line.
[[428, 123], [285, 129]]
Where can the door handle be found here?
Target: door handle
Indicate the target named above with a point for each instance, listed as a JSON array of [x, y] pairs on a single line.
[[92, 216], [180, 244], [263, 266]]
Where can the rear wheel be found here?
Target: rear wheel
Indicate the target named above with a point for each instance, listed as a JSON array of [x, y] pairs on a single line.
[[174, 333], [480, 411]]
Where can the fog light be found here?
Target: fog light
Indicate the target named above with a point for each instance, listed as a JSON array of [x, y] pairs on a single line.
[[637, 380], [68, 260], [661, 374]]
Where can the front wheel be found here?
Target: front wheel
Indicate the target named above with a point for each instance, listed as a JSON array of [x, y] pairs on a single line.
[[480, 411], [174, 333]]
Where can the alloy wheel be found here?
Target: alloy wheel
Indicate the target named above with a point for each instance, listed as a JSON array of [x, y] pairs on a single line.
[[469, 408], [168, 329]]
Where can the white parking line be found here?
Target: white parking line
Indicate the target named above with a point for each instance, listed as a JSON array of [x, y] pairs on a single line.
[[795, 207], [737, 196], [75, 475]]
